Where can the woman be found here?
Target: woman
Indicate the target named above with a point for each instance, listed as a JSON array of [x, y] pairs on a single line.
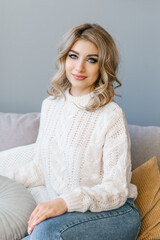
[[83, 148]]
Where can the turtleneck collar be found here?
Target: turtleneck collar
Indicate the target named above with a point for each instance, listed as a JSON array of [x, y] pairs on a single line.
[[80, 101]]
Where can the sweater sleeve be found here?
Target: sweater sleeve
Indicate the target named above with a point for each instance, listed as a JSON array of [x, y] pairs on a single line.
[[112, 192], [24, 164]]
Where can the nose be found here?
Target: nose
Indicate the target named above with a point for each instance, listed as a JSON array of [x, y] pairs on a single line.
[[80, 66]]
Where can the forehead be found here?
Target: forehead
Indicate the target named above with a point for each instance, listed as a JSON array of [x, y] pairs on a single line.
[[85, 47]]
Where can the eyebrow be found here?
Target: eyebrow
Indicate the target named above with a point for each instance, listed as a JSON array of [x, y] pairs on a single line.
[[89, 55]]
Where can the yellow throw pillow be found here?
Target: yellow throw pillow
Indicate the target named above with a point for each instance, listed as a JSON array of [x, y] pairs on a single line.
[[147, 179]]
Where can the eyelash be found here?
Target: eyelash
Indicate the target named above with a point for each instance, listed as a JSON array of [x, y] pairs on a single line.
[[90, 60]]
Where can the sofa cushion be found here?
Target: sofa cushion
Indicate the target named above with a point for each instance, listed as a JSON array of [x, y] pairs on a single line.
[[145, 143], [147, 179], [16, 205], [18, 129]]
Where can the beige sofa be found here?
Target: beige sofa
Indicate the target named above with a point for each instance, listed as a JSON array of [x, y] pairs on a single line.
[[22, 129]]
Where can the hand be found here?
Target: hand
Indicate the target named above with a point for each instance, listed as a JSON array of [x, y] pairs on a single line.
[[46, 210]]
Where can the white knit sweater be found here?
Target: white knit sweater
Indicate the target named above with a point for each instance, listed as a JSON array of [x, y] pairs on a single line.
[[80, 156]]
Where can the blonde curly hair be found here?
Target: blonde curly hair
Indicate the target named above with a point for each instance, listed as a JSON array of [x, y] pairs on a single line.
[[104, 87]]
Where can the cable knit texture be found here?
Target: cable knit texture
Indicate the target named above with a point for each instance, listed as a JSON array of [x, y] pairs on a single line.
[[80, 156]]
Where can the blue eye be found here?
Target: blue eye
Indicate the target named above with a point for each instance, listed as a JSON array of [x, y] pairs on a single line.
[[92, 60], [73, 56]]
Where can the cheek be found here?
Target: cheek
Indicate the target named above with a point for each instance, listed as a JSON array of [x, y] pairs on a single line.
[[96, 72], [69, 66]]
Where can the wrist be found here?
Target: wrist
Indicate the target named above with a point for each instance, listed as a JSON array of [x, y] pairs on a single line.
[[64, 204]]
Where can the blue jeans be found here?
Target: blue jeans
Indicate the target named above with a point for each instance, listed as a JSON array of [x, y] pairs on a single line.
[[118, 224]]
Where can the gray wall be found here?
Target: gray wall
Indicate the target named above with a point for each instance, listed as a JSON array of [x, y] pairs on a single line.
[[30, 31]]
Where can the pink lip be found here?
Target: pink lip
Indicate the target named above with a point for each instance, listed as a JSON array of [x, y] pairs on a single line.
[[78, 77]]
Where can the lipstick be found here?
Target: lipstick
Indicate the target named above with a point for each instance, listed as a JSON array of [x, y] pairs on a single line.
[[79, 77]]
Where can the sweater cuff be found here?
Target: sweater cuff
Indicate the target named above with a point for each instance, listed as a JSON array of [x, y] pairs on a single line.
[[75, 201]]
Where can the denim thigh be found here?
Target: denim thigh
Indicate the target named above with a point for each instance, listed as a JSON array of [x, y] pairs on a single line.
[[118, 224]]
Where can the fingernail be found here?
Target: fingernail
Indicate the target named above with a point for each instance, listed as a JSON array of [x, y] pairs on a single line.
[[29, 230], [34, 224]]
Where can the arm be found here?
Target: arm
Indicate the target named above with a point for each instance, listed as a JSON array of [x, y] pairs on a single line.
[[112, 192]]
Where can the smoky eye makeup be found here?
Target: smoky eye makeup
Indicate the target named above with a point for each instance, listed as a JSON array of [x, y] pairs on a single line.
[[92, 60], [72, 56]]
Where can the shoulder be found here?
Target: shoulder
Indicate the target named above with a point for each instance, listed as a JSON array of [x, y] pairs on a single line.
[[113, 109], [113, 116], [45, 103], [49, 101], [116, 121], [50, 104]]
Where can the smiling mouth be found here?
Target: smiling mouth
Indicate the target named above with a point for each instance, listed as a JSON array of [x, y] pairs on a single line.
[[78, 77]]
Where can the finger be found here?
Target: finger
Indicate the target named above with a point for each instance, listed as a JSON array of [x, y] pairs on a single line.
[[41, 216], [40, 219], [35, 211], [37, 216], [29, 230], [31, 227], [36, 220]]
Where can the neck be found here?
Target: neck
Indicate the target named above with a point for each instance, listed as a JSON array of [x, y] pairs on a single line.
[[79, 92], [81, 100]]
